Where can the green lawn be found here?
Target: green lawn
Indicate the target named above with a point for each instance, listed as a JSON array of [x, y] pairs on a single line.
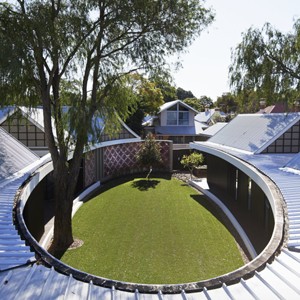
[[163, 233]]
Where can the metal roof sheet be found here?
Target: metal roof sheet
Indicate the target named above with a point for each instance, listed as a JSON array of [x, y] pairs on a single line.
[[294, 163], [214, 129], [14, 156], [279, 279], [253, 132], [205, 116]]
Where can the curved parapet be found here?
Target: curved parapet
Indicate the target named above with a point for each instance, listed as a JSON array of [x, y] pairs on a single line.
[[273, 273]]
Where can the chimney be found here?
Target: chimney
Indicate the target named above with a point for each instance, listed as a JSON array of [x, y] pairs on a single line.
[[262, 105]]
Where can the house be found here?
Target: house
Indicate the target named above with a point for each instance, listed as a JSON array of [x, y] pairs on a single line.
[[272, 109], [175, 121], [27, 125], [181, 123], [210, 116]]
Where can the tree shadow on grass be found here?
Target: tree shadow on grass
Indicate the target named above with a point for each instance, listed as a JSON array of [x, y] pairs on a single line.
[[144, 185]]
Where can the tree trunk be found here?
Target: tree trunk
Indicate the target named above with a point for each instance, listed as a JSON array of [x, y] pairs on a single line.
[[64, 193]]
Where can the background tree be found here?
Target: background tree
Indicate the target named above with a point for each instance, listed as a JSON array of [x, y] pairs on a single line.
[[267, 61], [192, 161], [148, 100], [206, 102], [163, 81], [227, 103], [194, 103], [183, 94], [96, 43], [149, 153]]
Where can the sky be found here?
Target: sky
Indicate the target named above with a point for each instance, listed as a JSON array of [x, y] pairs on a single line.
[[204, 69]]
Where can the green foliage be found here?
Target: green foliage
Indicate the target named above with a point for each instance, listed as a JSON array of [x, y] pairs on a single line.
[[194, 103], [164, 83], [206, 102], [268, 62], [227, 103], [192, 161], [149, 154], [183, 94], [148, 100], [166, 234], [96, 44]]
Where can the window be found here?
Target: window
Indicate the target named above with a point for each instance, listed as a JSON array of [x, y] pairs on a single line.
[[177, 115], [171, 118], [289, 142], [183, 118]]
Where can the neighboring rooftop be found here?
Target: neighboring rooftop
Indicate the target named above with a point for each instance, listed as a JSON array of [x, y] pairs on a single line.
[[206, 116], [14, 156], [254, 132], [214, 129], [171, 103]]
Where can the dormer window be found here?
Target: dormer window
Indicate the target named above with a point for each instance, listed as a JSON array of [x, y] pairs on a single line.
[[177, 115]]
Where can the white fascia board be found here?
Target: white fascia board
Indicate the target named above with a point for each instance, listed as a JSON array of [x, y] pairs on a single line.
[[257, 177], [246, 168], [224, 148], [26, 113]]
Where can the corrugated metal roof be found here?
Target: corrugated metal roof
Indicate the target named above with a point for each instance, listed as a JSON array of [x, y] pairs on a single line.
[[253, 132], [294, 163], [279, 279], [14, 156], [214, 129], [205, 116], [13, 251]]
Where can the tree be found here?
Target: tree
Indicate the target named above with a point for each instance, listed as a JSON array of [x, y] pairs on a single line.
[[227, 103], [206, 102], [149, 99], [149, 153], [192, 161], [183, 94], [267, 61], [94, 43], [194, 103], [164, 82]]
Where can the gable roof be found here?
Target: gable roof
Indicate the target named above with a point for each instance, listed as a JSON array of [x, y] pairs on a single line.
[[36, 116], [276, 108], [254, 132], [14, 156], [167, 105]]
